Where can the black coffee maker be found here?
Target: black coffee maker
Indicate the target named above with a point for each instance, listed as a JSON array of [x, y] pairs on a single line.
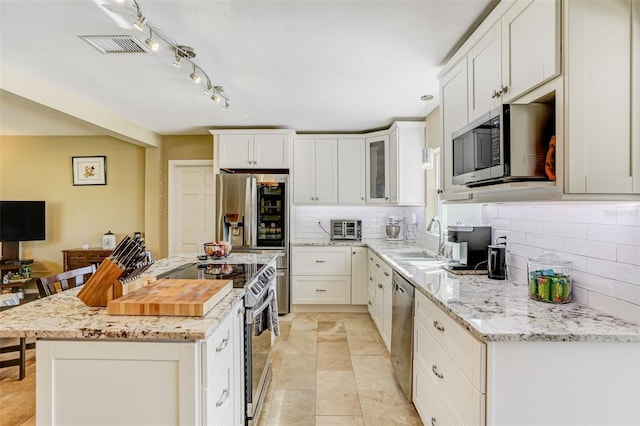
[[497, 259], [469, 245]]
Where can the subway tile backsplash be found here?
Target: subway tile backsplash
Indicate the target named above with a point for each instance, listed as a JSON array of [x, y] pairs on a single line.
[[602, 240], [374, 218]]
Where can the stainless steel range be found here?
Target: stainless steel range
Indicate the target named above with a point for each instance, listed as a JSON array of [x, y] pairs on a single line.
[[261, 320]]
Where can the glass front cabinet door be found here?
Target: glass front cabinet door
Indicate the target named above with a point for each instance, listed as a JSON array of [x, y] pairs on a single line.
[[377, 169]]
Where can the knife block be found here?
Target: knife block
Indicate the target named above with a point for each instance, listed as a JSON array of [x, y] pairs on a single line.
[[99, 289]]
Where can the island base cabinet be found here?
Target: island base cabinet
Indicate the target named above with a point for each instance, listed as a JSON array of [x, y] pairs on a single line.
[[117, 383], [563, 383]]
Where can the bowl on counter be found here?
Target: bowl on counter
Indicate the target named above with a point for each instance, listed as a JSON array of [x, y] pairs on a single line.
[[217, 249]]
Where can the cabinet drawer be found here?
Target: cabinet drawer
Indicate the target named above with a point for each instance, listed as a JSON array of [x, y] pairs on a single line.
[[218, 401], [429, 405], [321, 261], [219, 345], [468, 353], [320, 290], [446, 380]]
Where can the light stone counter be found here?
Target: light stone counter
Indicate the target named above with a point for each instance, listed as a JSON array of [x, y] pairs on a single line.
[[501, 311], [64, 316]]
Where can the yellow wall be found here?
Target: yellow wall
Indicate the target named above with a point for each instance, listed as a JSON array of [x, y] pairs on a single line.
[[134, 199], [39, 168]]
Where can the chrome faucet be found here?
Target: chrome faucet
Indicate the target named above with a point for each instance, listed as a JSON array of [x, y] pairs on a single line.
[[440, 242]]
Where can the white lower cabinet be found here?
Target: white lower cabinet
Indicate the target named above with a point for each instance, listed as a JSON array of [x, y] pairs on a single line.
[[459, 380], [449, 364], [142, 382], [380, 296], [320, 275], [359, 275]]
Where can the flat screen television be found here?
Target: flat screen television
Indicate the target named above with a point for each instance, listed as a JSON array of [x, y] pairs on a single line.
[[20, 221]]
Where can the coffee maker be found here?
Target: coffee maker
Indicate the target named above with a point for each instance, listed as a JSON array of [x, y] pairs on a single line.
[[469, 246]]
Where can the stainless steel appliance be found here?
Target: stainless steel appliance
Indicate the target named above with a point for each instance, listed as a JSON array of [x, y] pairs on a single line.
[[252, 213], [392, 228], [260, 284], [346, 229], [508, 143], [469, 244], [402, 332]]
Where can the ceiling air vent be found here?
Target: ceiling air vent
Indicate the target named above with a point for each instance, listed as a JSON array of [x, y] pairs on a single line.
[[115, 43]]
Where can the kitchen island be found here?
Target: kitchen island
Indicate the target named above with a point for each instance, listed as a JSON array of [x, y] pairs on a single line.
[[95, 368]]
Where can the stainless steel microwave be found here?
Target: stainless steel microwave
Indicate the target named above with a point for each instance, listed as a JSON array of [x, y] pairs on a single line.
[[508, 143]]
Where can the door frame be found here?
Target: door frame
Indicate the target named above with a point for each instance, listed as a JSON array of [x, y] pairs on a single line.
[[174, 166]]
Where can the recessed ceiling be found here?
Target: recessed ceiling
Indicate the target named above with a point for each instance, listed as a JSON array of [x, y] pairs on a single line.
[[330, 66]]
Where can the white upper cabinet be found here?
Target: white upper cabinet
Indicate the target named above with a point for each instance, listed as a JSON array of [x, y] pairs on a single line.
[[602, 90], [315, 172], [254, 151], [530, 46], [377, 169], [406, 176], [485, 78], [351, 171], [453, 114], [518, 53]]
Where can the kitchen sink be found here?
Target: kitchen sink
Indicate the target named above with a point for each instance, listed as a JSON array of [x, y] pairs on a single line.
[[427, 264]]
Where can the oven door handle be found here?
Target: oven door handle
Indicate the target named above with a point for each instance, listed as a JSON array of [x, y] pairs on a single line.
[[257, 311]]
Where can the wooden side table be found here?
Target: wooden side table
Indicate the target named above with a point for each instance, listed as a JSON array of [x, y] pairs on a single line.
[[79, 258]]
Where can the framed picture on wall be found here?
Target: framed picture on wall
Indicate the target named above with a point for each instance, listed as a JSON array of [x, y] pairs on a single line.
[[89, 170]]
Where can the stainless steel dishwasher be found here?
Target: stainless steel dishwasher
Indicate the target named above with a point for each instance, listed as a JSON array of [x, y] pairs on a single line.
[[402, 332]]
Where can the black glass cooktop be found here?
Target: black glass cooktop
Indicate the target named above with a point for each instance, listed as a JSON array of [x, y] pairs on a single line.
[[241, 273]]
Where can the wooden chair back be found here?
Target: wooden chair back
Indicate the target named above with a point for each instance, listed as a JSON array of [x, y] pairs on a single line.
[[68, 279]]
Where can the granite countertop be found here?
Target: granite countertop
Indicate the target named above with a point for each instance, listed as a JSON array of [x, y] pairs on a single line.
[[501, 311], [64, 316]]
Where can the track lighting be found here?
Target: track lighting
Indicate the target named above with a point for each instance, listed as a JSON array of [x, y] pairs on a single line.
[[182, 53], [150, 42], [140, 23], [194, 76]]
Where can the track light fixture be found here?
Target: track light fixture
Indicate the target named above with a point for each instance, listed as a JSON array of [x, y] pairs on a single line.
[[150, 42], [194, 76], [182, 53]]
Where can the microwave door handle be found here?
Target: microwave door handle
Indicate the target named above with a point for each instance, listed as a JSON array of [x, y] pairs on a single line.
[[250, 212]]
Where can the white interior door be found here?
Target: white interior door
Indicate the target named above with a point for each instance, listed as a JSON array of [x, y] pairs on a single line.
[[191, 205]]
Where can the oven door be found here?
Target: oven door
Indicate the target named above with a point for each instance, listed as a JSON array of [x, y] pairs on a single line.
[[258, 356]]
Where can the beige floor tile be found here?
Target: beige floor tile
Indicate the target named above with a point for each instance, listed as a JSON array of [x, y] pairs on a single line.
[[297, 372], [292, 407], [366, 343], [285, 327], [303, 324], [360, 324], [331, 331], [374, 373], [286, 317], [333, 356], [387, 408], [339, 421], [336, 394], [302, 342]]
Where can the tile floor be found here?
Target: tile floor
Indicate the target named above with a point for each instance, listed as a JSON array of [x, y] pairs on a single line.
[[333, 369], [328, 369]]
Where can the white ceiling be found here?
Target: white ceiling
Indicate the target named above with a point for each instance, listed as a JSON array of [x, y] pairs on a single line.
[[329, 65]]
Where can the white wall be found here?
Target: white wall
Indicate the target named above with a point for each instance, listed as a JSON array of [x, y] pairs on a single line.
[[602, 240]]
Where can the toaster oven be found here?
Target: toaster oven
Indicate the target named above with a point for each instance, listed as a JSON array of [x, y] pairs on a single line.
[[346, 229]]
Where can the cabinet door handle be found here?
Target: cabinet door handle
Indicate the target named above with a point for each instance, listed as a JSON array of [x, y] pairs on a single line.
[[494, 94], [222, 344], [386, 274], [223, 397], [439, 375], [321, 290], [370, 278], [317, 198], [377, 265], [503, 89], [370, 304], [371, 259], [320, 261], [433, 421], [379, 285], [438, 327], [311, 198]]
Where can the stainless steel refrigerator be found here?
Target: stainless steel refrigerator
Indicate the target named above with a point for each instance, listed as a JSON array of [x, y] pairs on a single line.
[[252, 213]]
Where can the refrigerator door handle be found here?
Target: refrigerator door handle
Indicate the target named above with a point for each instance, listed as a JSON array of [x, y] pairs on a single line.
[[248, 211], [252, 207]]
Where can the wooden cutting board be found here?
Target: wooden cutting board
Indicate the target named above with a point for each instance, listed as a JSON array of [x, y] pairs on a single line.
[[172, 297]]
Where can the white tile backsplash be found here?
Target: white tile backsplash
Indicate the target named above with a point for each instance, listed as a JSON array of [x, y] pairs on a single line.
[[601, 239]]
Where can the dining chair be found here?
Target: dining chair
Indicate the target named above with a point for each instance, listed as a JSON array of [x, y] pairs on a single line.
[[64, 280]]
